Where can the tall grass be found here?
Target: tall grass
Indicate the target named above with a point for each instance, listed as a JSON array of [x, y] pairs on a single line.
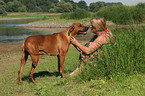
[[123, 14], [125, 58], [77, 14]]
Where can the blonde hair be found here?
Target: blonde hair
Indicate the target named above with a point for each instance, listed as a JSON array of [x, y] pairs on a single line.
[[100, 22]]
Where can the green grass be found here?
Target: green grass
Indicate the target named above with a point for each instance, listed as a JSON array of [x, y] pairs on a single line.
[[31, 15], [121, 71]]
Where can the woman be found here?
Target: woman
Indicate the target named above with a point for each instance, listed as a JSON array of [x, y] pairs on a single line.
[[102, 36]]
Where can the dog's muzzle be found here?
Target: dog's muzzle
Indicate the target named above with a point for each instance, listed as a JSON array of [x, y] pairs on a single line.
[[84, 31]]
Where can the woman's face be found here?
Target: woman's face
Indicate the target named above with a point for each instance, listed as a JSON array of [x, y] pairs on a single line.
[[94, 29]]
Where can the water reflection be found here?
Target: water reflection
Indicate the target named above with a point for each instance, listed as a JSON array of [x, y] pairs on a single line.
[[9, 33]]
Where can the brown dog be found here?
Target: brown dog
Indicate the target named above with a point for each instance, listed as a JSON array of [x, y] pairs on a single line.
[[52, 44]]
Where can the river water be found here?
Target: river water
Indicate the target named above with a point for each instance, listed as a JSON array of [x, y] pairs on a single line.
[[11, 34]]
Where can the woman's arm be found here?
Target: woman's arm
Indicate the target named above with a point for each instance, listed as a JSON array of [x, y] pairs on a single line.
[[93, 46], [93, 38]]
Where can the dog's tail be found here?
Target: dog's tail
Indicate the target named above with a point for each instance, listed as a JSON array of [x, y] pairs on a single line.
[[25, 54]]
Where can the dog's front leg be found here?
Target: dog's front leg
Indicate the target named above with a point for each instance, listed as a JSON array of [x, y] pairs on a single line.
[[61, 59]]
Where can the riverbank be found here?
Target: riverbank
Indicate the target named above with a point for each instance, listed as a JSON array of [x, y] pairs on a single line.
[[63, 23], [10, 18], [50, 22]]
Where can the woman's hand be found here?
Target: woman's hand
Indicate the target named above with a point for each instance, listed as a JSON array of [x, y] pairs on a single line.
[[73, 41]]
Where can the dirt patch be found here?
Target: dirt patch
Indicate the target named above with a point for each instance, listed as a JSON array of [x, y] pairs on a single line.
[[9, 18], [9, 53], [10, 48]]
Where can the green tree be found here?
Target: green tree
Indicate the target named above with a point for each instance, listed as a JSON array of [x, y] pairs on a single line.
[[54, 1], [119, 14], [111, 4], [63, 7], [2, 8], [73, 4], [31, 5], [6, 1], [70, 1], [80, 14], [141, 5], [45, 5], [94, 7], [138, 12], [15, 6], [39, 5], [82, 5]]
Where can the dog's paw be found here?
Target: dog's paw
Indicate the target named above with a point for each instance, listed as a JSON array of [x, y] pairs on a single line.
[[20, 82]]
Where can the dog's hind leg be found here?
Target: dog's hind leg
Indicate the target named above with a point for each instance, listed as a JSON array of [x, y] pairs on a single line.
[[35, 59], [23, 61]]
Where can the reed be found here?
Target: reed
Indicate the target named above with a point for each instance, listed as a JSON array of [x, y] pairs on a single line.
[[127, 57]]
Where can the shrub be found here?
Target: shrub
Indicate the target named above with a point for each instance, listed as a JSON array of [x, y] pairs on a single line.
[[15, 6], [79, 14], [118, 14], [123, 14], [2, 8], [63, 7], [65, 16], [127, 57], [138, 13]]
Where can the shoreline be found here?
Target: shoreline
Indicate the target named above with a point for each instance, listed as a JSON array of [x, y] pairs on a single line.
[[6, 18], [50, 23]]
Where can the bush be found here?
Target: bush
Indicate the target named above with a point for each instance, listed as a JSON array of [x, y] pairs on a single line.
[[123, 14], [15, 6], [2, 8], [63, 7], [138, 13], [118, 14], [80, 14], [77, 14], [127, 57], [65, 16]]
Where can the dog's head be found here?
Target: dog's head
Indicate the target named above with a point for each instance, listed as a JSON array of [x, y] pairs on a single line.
[[77, 28]]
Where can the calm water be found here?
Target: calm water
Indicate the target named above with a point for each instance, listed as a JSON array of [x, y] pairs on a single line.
[[10, 34]]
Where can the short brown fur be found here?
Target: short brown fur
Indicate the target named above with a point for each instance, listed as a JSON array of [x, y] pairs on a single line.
[[52, 44]]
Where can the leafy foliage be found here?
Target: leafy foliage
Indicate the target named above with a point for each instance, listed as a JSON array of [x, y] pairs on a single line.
[[82, 5], [96, 6], [58, 6], [2, 8], [122, 14], [125, 58], [15, 6], [63, 7], [77, 14], [138, 12]]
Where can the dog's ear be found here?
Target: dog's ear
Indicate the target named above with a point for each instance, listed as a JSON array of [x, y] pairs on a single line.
[[70, 30]]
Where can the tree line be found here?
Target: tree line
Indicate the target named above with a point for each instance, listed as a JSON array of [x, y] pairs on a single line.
[[52, 6]]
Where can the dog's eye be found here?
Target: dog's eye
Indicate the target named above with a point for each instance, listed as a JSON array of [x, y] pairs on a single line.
[[80, 25], [93, 27]]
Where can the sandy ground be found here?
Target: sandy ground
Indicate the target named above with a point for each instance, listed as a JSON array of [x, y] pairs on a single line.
[[10, 47], [9, 18], [7, 51], [10, 56]]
